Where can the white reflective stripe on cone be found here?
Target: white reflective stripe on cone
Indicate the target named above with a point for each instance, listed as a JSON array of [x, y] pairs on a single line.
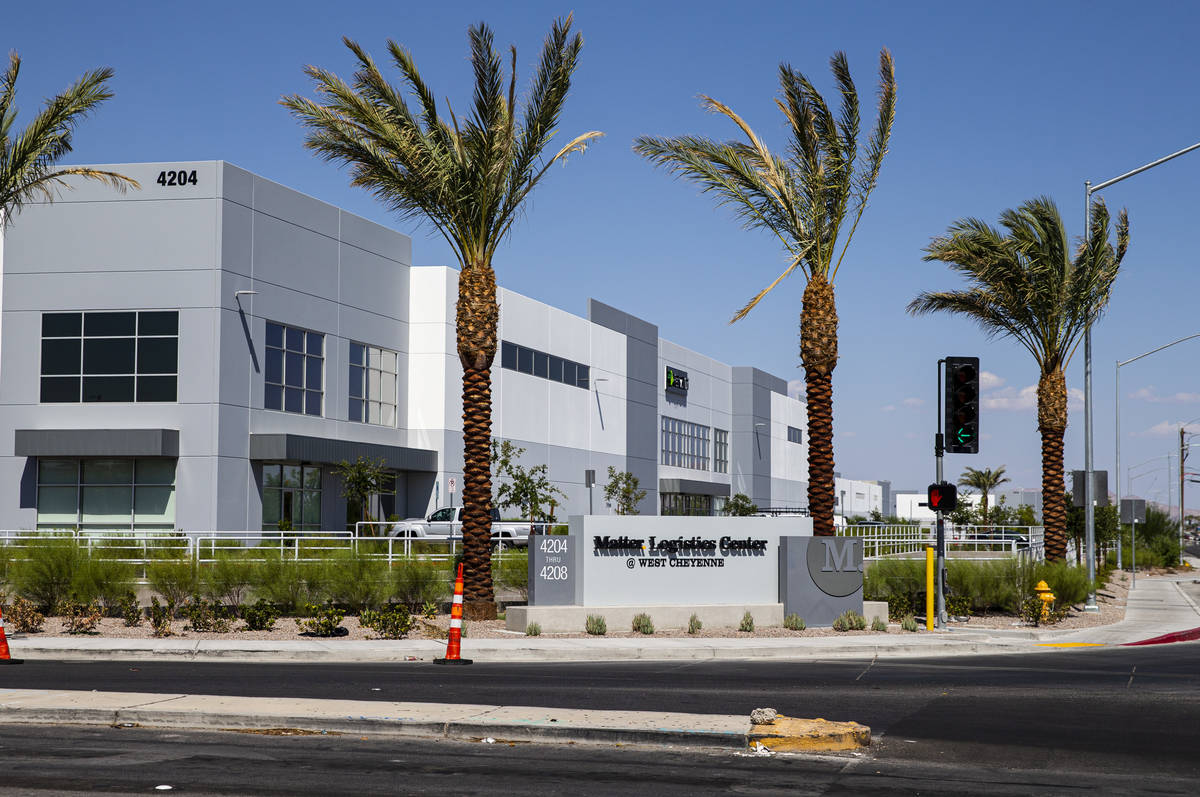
[[458, 599], [456, 622]]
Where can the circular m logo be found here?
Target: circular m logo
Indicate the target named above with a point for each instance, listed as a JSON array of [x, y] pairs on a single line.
[[836, 565]]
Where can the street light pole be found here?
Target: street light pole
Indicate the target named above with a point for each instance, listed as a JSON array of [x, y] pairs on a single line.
[[1088, 488]]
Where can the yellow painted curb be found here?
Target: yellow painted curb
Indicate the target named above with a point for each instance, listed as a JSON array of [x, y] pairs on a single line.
[[1070, 644], [793, 735]]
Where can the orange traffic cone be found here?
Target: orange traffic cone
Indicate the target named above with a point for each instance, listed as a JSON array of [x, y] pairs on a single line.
[[5, 658], [456, 613]]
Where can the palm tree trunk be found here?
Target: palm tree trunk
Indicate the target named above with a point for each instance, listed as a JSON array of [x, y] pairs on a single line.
[[818, 353], [1052, 424], [476, 324]]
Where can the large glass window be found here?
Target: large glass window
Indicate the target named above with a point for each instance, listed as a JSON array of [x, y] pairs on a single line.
[[546, 366], [720, 451], [122, 356], [106, 494], [795, 435], [372, 385], [684, 444], [291, 497], [686, 504], [295, 370]]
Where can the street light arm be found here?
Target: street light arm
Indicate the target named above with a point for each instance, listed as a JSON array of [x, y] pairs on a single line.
[[1140, 169], [1153, 351]]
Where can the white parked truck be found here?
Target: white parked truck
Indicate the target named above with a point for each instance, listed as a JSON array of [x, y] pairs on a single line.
[[446, 524]]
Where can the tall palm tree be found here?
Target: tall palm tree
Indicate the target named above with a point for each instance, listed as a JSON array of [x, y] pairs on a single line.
[[27, 158], [1025, 284], [805, 200], [984, 481], [468, 178]]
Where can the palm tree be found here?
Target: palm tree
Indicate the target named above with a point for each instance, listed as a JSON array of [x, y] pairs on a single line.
[[27, 158], [1025, 284], [468, 178], [804, 199], [984, 481]]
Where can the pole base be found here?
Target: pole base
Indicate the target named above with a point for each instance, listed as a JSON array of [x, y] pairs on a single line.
[[452, 661]]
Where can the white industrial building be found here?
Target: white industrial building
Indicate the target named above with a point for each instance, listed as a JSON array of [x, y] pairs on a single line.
[[199, 354]]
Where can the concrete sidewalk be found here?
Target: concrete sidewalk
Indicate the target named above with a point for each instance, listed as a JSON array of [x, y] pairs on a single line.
[[1158, 605]]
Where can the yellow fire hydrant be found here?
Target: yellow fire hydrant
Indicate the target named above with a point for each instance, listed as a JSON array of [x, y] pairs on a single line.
[[1046, 597]]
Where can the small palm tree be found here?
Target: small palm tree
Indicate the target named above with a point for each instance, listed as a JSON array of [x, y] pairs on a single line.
[[469, 178], [27, 158], [1025, 284], [984, 481], [805, 200]]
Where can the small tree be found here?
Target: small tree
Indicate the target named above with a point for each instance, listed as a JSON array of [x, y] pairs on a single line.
[[504, 455], [740, 505], [360, 480], [527, 488], [622, 491]]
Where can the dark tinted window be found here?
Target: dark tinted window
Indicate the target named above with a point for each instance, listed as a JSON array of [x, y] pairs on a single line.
[[157, 355], [568, 372], [108, 356], [158, 323], [524, 360], [295, 339], [108, 388], [508, 355], [60, 357], [274, 335], [541, 365], [273, 397], [61, 325], [556, 368], [156, 388], [356, 354], [59, 389], [275, 366], [581, 375], [293, 400], [109, 324]]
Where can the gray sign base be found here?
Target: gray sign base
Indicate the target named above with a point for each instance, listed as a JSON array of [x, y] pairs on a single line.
[[571, 619]]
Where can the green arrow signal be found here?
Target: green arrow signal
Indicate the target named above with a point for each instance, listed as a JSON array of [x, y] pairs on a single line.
[[963, 435]]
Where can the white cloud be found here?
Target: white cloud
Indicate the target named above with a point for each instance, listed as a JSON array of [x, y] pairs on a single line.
[[989, 381], [1171, 429], [1149, 393], [890, 408], [796, 389], [913, 402], [1011, 399]]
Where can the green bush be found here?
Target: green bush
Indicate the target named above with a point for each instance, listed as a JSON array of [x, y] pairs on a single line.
[[355, 581], [206, 616], [226, 580], [694, 624], [130, 610], [595, 625], [49, 569], [280, 581], [429, 610], [899, 604], [747, 623], [416, 582], [878, 624], [261, 616], [909, 624], [642, 623], [1068, 583], [511, 571], [794, 622], [175, 579], [160, 617], [102, 576], [323, 621], [850, 620], [958, 605], [533, 629], [25, 617], [392, 622], [80, 618], [982, 586]]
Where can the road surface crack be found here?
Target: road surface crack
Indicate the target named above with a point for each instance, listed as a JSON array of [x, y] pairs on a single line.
[[869, 666]]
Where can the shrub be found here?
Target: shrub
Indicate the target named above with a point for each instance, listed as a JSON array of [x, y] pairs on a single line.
[[878, 624], [160, 617], [533, 629], [429, 610], [899, 605], [79, 618], [393, 622], [909, 624], [850, 620], [794, 622], [260, 617], [694, 624], [511, 571], [206, 616], [642, 623], [48, 570], [595, 625], [280, 581], [226, 580], [416, 582], [103, 577], [322, 620], [958, 605], [747, 623], [25, 617], [1068, 583], [982, 586], [173, 578], [130, 610], [355, 581]]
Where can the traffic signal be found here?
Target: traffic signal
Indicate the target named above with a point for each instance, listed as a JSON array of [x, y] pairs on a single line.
[[943, 497], [962, 405]]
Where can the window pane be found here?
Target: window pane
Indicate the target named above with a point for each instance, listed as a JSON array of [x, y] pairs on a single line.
[[274, 335], [508, 355], [156, 388], [568, 372], [541, 364], [293, 400], [373, 357], [155, 471], [524, 360], [274, 372], [108, 324], [270, 513], [273, 397], [312, 479], [388, 363], [107, 504], [291, 475], [373, 412], [61, 325], [356, 382], [58, 505], [356, 408], [61, 356], [556, 368], [108, 356], [387, 415], [373, 385], [294, 373], [316, 343], [57, 389], [387, 389], [154, 504], [108, 471], [581, 375], [159, 323], [356, 354], [295, 339], [313, 379], [310, 508], [58, 471], [312, 403], [108, 388], [272, 476], [157, 355]]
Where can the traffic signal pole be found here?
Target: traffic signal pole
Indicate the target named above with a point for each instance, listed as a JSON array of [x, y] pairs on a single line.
[[939, 449]]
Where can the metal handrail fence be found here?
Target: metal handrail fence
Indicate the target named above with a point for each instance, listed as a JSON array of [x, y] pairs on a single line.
[[962, 542]]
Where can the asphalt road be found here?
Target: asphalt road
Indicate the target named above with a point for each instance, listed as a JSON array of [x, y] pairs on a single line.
[[1114, 720]]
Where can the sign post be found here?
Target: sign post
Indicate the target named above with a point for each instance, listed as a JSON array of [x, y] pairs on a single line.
[[451, 484]]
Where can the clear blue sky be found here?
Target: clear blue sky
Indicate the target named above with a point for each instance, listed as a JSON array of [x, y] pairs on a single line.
[[998, 103]]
